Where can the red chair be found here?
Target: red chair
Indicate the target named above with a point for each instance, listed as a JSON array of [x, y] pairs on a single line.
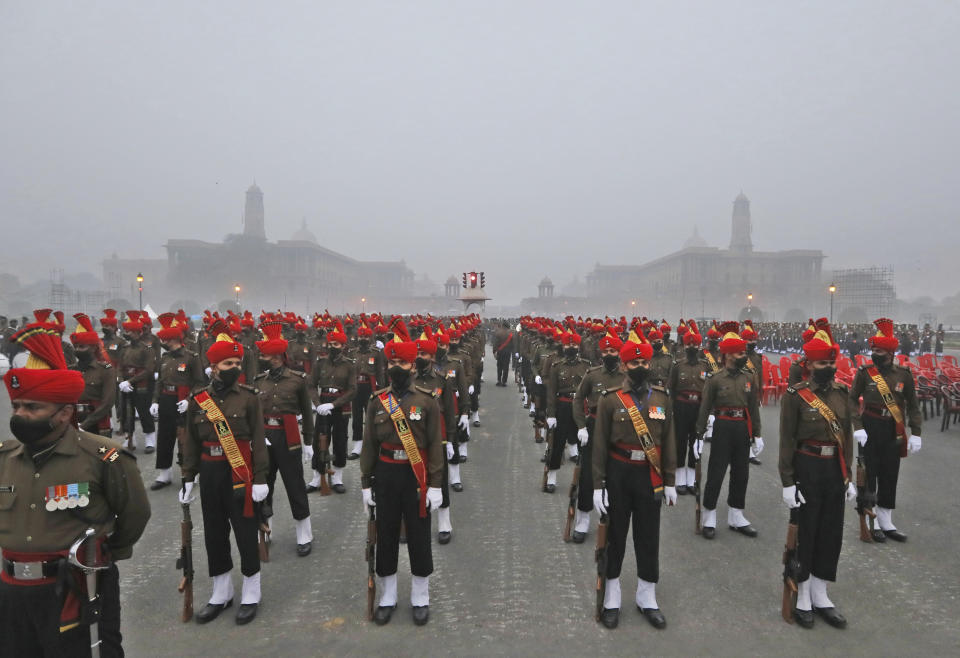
[[952, 360], [771, 386], [927, 361], [860, 359], [951, 406]]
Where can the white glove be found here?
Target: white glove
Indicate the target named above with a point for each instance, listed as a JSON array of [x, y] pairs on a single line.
[[307, 452], [670, 494], [757, 446], [551, 422], [379, 344], [533, 407], [125, 387], [470, 389], [464, 422], [792, 498], [517, 354], [449, 451], [537, 380], [583, 436], [325, 409], [267, 441], [156, 376], [186, 494], [600, 500], [259, 492], [709, 431], [368, 497], [182, 406], [851, 491], [208, 371], [860, 436], [154, 409], [434, 498], [697, 448], [913, 444]]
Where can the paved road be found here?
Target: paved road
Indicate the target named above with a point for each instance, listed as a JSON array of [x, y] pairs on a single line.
[[508, 585]]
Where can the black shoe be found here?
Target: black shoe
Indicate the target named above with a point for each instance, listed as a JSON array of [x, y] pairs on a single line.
[[895, 535], [543, 460], [476, 423], [550, 488], [682, 491], [610, 617], [532, 414], [878, 536], [303, 550], [691, 490], [457, 486], [832, 617], [755, 461], [158, 484], [311, 488], [654, 616], [353, 456], [421, 614], [149, 450], [708, 532], [246, 613], [211, 611], [339, 488], [575, 459], [747, 530], [463, 459], [382, 616], [804, 617], [579, 537], [443, 537]]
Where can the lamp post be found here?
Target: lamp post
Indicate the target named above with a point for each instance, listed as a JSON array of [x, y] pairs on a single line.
[[832, 289], [236, 289], [749, 303], [140, 288], [363, 301]]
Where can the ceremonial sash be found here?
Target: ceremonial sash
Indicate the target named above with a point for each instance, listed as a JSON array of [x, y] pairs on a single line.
[[713, 362], [506, 342], [892, 407], [646, 441], [400, 423], [810, 398], [241, 471]]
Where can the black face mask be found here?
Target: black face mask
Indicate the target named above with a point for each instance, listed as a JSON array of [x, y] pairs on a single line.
[[399, 377], [441, 352], [751, 348], [454, 348], [168, 347], [422, 364], [264, 364], [657, 347], [85, 358], [130, 337], [30, 431], [740, 362], [712, 344], [334, 352], [638, 375], [692, 353], [301, 335], [880, 360], [229, 376], [824, 375], [560, 349], [571, 353], [364, 343], [610, 361]]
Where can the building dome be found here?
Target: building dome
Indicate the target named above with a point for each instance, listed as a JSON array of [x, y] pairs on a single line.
[[695, 241], [304, 234], [452, 281], [546, 281]]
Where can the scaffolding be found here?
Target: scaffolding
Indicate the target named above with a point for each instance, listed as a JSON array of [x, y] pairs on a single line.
[[864, 294]]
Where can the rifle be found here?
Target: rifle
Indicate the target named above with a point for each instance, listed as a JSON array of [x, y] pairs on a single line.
[[696, 495], [572, 507], [263, 531], [546, 461], [371, 562], [600, 555], [866, 499], [791, 568], [322, 456], [185, 564]]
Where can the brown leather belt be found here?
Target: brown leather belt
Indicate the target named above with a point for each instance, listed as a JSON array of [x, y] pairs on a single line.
[[818, 449], [628, 455]]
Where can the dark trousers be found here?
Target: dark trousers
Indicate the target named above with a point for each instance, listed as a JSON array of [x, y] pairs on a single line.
[[685, 426], [360, 409], [335, 426], [630, 493], [503, 366], [585, 488], [565, 432], [730, 447], [882, 459], [395, 492], [222, 507], [475, 397], [139, 400], [169, 420], [290, 465], [445, 485], [30, 621], [820, 523]]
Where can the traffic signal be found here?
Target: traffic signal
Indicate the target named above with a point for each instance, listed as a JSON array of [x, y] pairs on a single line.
[[473, 279], [464, 279], [483, 280]]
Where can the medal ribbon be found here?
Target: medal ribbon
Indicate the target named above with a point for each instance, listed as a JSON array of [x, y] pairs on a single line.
[[409, 445]]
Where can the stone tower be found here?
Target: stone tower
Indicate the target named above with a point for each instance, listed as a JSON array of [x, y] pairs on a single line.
[[740, 235], [253, 214]]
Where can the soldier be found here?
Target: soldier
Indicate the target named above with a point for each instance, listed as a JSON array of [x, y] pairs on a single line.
[[596, 383], [371, 371], [687, 379], [503, 339], [300, 353], [112, 344], [284, 398], [798, 368], [181, 375], [137, 366], [225, 446], [662, 362], [754, 366], [95, 405], [402, 421], [56, 482], [732, 398], [335, 377], [562, 384], [455, 353], [816, 453], [669, 344], [452, 368], [889, 405], [476, 343], [633, 471]]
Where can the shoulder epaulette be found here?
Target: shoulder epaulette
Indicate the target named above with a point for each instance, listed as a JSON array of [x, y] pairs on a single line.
[[840, 386], [657, 387], [261, 374], [8, 445], [594, 368], [302, 374], [252, 389], [865, 366], [428, 391], [106, 365], [612, 389], [380, 391]]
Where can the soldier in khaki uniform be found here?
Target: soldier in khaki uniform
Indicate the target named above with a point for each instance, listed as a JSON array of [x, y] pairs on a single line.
[[333, 386], [300, 351], [795, 374], [451, 361], [399, 490], [55, 483], [137, 366], [628, 485], [100, 380], [562, 384], [687, 380], [885, 439], [816, 456], [285, 398], [733, 399], [662, 362], [371, 372], [754, 366]]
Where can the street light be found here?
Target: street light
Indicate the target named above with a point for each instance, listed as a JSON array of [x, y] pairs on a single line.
[[236, 289], [363, 300], [832, 289], [140, 288]]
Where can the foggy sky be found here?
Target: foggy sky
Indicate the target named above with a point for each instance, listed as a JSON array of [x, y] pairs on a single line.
[[542, 137]]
